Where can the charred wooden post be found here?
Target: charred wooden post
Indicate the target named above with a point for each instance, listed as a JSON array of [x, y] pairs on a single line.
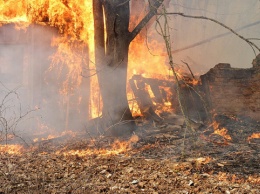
[[142, 96], [192, 99]]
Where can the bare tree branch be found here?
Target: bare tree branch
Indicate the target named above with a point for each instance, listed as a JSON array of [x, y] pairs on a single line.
[[217, 36], [122, 3], [216, 21], [9, 122], [189, 69], [146, 19]]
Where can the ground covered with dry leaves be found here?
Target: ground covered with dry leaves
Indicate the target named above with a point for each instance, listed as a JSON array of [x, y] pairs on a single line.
[[156, 159]]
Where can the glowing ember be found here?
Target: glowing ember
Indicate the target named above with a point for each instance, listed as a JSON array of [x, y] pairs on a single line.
[[195, 82], [222, 132], [41, 139], [52, 136], [253, 136], [204, 160]]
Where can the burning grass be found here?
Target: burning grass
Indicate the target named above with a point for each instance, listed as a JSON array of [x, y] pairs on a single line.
[[253, 136], [151, 161], [11, 149], [115, 148]]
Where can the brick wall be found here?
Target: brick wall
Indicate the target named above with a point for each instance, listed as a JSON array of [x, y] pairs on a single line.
[[233, 91]]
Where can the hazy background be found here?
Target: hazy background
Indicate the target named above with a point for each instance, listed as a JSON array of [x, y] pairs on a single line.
[[220, 45], [227, 49]]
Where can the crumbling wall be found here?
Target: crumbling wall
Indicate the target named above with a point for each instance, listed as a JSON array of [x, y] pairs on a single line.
[[233, 91]]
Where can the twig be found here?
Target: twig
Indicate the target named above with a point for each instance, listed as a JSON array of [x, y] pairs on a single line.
[[215, 37], [120, 4], [219, 23], [119, 123], [146, 19], [164, 32], [9, 124], [93, 140], [189, 68]]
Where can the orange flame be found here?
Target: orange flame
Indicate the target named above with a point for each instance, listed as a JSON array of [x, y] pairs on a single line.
[[253, 136], [11, 149], [222, 132], [74, 20], [116, 148]]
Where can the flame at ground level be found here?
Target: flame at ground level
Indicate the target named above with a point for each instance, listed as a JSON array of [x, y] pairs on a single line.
[[55, 135], [11, 149], [222, 132], [116, 148], [253, 136]]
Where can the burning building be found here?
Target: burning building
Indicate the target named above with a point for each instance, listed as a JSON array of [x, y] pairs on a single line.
[[49, 62], [49, 51]]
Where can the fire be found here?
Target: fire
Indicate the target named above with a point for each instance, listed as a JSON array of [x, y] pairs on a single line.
[[11, 149], [75, 48], [41, 139], [75, 45], [116, 148], [133, 104], [147, 58], [46, 132], [222, 132], [13, 11], [253, 136], [52, 136]]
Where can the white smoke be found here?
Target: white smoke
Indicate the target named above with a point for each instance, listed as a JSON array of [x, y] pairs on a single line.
[[215, 43]]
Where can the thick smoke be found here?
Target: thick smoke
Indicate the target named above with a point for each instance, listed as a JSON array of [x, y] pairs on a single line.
[[30, 92]]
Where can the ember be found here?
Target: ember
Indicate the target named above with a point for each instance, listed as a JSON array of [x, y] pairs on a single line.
[[253, 136], [222, 132], [11, 149]]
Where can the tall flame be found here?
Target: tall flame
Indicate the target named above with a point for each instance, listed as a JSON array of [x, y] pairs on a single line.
[[75, 45]]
